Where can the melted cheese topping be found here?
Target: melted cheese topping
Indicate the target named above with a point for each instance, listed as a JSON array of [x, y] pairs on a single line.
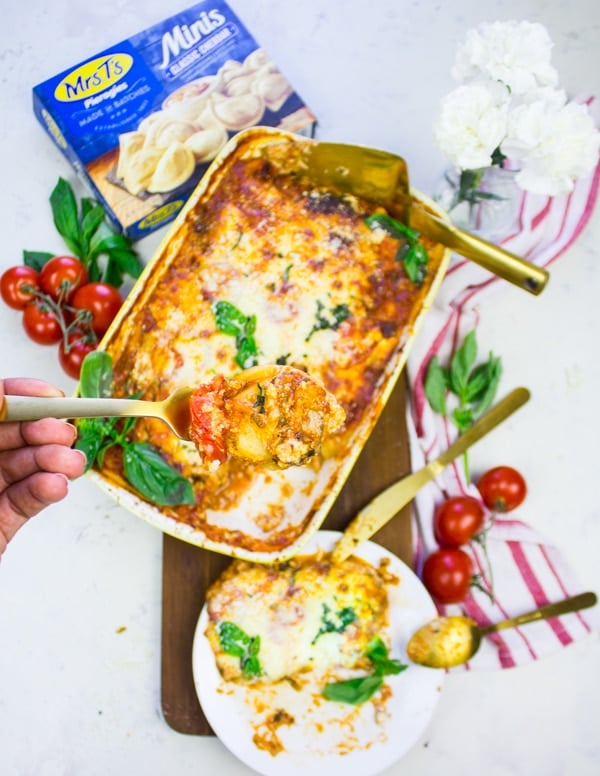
[[308, 613], [326, 294]]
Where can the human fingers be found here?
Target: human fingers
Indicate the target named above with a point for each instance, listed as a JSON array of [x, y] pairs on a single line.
[[26, 498], [19, 464], [28, 386], [36, 432]]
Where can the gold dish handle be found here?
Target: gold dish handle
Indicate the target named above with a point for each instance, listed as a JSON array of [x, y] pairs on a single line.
[[518, 271]]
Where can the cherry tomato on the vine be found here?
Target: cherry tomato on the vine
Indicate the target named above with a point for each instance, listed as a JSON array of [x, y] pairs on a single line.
[[502, 488], [13, 283], [457, 520], [61, 276], [102, 300], [41, 324], [447, 574], [72, 354]]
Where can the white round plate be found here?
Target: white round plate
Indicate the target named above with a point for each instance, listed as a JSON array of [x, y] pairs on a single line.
[[358, 740]]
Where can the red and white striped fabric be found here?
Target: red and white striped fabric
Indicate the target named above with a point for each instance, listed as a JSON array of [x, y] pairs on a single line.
[[528, 571]]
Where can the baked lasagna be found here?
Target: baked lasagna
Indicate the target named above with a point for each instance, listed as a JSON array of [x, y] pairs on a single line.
[[267, 266], [268, 623]]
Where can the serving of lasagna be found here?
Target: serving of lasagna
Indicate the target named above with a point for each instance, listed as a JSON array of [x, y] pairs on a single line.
[[266, 266], [302, 664]]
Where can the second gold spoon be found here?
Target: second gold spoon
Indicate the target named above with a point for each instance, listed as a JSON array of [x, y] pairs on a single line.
[[446, 642]]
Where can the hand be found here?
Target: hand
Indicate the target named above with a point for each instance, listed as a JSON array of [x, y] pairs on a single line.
[[36, 460]]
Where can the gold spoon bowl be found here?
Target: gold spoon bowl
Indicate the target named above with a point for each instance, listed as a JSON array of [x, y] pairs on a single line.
[[446, 642]]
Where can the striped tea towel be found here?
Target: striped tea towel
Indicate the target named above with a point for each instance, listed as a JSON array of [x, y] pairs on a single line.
[[527, 570]]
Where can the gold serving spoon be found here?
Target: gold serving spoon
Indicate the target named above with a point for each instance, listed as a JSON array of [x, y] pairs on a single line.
[[271, 413], [446, 642], [383, 177]]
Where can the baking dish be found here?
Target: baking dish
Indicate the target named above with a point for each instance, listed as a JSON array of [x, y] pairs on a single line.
[[319, 280]]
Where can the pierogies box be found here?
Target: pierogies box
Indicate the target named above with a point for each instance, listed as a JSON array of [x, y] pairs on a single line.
[[142, 120]]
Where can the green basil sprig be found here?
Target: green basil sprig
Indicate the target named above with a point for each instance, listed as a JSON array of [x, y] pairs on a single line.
[[232, 321], [411, 252], [335, 622], [143, 465], [473, 386], [359, 689], [236, 642], [89, 236]]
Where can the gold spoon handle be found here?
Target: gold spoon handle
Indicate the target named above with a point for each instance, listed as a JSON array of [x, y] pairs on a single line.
[[18, 408], [573, 604], [388, 503], [506, 265]]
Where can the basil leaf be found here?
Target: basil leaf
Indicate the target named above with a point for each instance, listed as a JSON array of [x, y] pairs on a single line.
[[378, 654], [415, 263], [96, 377], [234, 323], [353, 691], [90, 436], [393, 227], [152, 476], [493, 371], [66, 218], [90, 221], [236, 642], [36, 259], [436, 384], [229, 319], [463, 417], [461, 364], [246, 355]]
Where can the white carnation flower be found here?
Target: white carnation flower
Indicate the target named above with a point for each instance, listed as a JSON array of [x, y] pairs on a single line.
[[471, 124], [554, 144], [515, 53]]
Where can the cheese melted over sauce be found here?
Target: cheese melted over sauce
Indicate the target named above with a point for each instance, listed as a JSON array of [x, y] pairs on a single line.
[[280, 249], [309, 613]]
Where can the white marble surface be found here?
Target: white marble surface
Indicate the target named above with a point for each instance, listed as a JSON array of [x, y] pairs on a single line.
[[78, 697]]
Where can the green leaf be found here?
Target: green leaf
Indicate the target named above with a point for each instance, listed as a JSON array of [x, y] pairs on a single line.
[[92, 219], [461, 364], [463, 417], [391, 225], [36, 259], [96, 378], [151, 475], [231, 321], [415, 263], [484, 399], [65, 214], [354, 691], [236, 642], [90, 438], [378, 654], [436, 385]]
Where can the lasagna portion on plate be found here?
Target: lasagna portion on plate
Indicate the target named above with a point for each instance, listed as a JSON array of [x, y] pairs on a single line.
[[268, 623], [265, 266]]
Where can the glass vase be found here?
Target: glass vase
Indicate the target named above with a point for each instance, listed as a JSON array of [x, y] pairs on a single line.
[[484, 202]]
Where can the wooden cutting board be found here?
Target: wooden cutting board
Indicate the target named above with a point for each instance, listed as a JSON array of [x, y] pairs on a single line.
[[189, 570]]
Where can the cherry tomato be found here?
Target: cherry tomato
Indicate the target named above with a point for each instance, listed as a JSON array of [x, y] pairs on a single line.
[[41, 324], [71, 356], [12, 286], [61, 276], [502, 488], [102, 301], [457, 520], [447, 574]]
